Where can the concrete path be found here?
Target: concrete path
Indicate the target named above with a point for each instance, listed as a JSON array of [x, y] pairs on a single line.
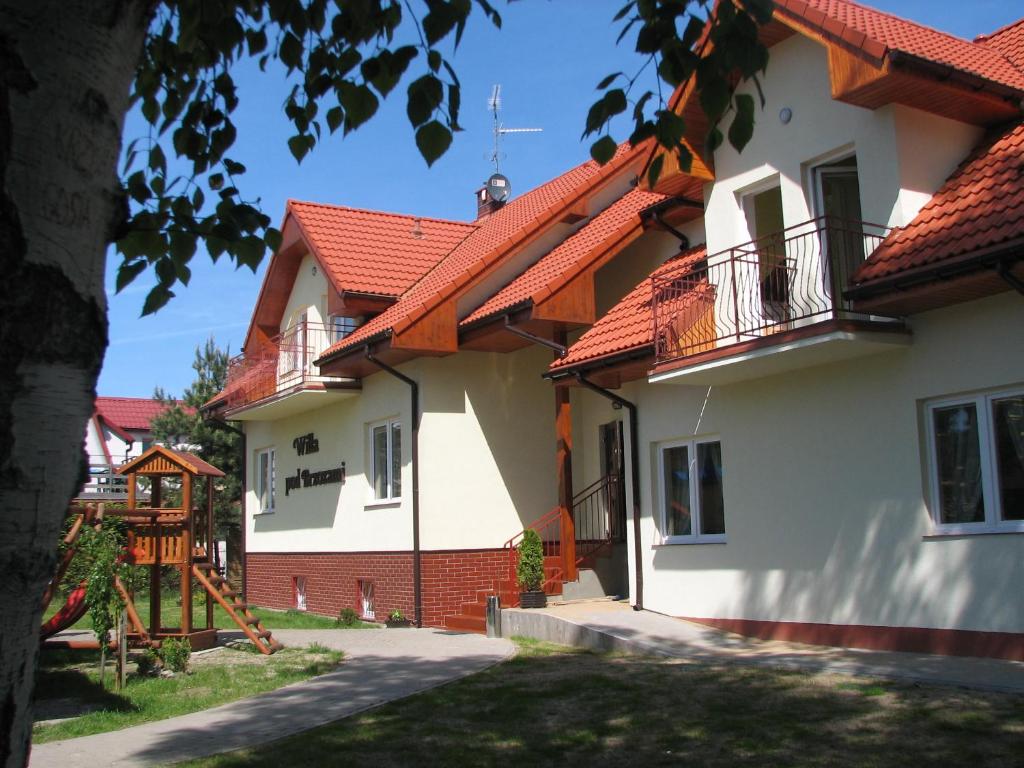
[[381, 666], [611, 625]]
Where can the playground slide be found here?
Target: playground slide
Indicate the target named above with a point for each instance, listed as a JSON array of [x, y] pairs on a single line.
[[70, 612]]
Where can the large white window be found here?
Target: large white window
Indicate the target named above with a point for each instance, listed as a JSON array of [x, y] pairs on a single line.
[[690, 489], [264, 481], [976, 462], [386, 460]]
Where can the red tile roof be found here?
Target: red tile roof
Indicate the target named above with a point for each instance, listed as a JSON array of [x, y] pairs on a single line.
[[980, 206], [629, 325], [132, 412], [375, 252], [573, 255], [493, 239], [878, 34], [1009, 41]]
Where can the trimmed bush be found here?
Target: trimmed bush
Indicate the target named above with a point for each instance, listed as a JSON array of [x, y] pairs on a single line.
[[530, 570], [175, 653]]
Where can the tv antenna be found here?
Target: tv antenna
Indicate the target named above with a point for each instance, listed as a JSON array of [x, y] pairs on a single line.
[[494, 105]]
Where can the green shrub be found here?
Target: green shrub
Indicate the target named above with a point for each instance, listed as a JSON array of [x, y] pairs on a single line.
[[348, 618], [148, 661], [530, 570], [396, 615], [175, 653]]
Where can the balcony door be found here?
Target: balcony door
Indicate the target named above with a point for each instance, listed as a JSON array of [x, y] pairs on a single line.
[[764, 218], [838, 198]]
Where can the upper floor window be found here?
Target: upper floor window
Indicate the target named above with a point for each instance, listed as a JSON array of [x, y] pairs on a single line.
[[692, 503], [264, 480], [342, 326], [976, 462], [386, 460]]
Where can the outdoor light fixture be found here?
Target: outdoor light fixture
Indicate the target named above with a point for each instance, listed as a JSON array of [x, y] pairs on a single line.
[[785, 115], [314, 270]]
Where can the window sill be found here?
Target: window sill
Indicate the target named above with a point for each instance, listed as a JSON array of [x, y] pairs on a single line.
[[961, 534], [382, 503], [264, 512], [690, 543]]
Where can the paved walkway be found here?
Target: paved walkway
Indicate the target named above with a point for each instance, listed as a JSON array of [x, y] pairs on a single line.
[[610, 625], [382, 665]]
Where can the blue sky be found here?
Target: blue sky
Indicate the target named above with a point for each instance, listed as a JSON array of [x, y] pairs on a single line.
[[548, 57]]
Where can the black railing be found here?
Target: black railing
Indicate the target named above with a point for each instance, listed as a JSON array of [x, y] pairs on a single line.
[[777, 283], [597, 515]]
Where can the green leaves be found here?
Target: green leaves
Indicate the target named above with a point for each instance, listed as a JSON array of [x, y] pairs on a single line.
[[719, 51], [425, 95], [433, 140], [603, 149]]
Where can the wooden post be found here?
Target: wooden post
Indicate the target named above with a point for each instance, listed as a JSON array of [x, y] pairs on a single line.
[[154, 571], [210, 544], [563, 466], [187, 544]]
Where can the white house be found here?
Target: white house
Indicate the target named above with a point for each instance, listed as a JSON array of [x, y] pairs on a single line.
[[788, 382]]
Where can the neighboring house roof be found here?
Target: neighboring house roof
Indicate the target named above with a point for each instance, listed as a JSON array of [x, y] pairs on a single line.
[[629, 325], [372, 251], [1008, 40], [496, 236], [134, 413], [878, 34], [981, 206], [572, 256]]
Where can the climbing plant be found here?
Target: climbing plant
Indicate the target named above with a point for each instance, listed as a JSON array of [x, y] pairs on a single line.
[[103, 549]]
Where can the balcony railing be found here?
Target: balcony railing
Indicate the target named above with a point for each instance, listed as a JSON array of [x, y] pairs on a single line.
[[781, 282], [286, 361]]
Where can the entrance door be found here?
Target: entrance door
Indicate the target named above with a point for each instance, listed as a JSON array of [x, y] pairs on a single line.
[[838, 191], [613, 464]]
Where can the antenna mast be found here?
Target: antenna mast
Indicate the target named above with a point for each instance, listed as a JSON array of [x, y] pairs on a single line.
[[494, 105]]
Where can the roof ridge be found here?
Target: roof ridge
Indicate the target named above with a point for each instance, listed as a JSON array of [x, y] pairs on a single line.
[[373, 211], [984, 38]]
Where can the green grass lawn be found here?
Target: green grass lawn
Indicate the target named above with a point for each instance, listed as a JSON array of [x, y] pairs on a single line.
[[553, 706], [170, 613], [67, 681]]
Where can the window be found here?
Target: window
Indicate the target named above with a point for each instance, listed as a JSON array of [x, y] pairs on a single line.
[[386, 460], [264, 484], [366, 599], [343, 326], [693, 510], [976, 457], [299, 584]]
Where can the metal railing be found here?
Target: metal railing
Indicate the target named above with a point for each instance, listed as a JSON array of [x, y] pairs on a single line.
[[283, 362], [780, 282], [597, 522], [104, 484]]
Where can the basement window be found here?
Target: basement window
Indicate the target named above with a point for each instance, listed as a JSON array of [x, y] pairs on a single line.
[[299, 590], [366, 599]]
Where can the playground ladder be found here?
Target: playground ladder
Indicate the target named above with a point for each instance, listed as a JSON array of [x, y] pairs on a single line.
[[228, 598]]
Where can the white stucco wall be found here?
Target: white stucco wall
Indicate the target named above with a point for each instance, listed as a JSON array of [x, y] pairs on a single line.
[[487, 453], [309, 294], [903, 155], [825, 488]]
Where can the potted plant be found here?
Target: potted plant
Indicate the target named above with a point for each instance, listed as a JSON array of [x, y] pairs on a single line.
[[530, 571], [397, 619]]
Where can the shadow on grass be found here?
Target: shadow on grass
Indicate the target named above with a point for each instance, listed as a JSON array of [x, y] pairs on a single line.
[[70, 674], [549, 707]]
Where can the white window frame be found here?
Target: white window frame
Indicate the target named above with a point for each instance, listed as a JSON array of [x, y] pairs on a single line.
[[991, 501], [260, 480], [695, 511], [389, 425]]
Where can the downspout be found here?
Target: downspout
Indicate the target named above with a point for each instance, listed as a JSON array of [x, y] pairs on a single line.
[[634, 458], [243, 449], [414, 391]]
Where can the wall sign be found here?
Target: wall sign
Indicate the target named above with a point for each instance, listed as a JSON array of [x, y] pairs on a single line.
[[306, 444], [303, 478]]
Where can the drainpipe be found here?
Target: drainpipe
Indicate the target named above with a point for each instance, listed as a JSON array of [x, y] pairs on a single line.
[[634, 458], [245, 455], [414, 391]]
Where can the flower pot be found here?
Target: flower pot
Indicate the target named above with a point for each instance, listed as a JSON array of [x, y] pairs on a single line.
[[535, 599], [392, 624]]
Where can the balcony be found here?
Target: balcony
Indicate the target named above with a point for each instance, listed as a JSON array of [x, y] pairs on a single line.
[[279, 379], [774, 304]]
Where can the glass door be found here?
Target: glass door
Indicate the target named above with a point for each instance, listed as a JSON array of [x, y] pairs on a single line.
[[838, 197]]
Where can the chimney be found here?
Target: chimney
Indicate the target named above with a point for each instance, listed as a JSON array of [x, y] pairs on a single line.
[[485, 204]]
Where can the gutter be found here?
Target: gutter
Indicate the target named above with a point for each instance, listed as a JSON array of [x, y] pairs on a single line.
[[997, 257], [945, 72], [414, 391], [634, 458]]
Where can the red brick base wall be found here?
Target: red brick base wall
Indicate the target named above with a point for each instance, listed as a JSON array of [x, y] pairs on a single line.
[[449, 579]]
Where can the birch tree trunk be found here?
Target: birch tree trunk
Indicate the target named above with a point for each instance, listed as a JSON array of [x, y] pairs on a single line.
[[65, 71]]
